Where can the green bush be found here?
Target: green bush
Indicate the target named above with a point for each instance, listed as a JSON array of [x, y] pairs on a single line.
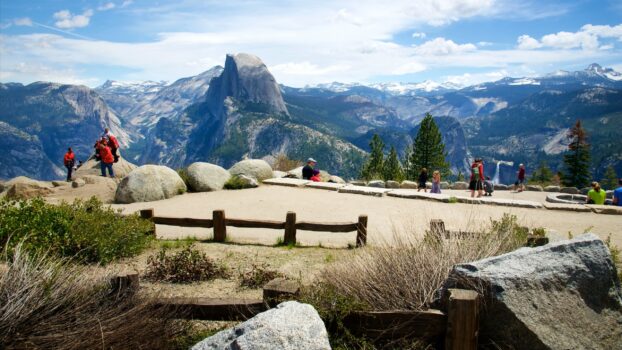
[[85, 230], [183, 173], [185, 266], [236, 183]]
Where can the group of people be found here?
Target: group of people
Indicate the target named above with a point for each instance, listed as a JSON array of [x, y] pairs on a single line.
[[423, 179], [106, 152], [598, 195], [484, 185], [309, 172]]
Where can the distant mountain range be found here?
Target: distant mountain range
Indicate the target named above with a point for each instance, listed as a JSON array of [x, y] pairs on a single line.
[[239, 110]]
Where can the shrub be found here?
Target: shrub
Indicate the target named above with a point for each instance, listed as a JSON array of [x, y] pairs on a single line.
[[283, 163], [84, 230], [236, 183], [183, 173], [257, 276], [50, 303], [185, 266]]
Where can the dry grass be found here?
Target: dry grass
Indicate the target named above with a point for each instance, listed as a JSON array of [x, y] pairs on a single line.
[[50, 303], [406, 274], [283, 163]]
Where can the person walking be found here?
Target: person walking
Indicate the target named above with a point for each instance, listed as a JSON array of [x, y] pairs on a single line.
[[423, 178], [596, 195], [436, 182], [519, 185], [69, 160], [107, 159], [477, 177], [307, 170]]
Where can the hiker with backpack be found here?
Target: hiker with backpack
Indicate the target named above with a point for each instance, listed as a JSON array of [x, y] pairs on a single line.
[[113, 143], [69, 160], [107, 159], [477, 177]]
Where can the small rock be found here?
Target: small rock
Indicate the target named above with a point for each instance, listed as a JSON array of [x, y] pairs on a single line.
[[409, 184], [203, 177], [255, 168], [376, 183], [534, 188], [392, 184], [58, 183], [78, 183], [445, 185], [459, 185], [336, 179], [358, 183], [552, 189], [289, 326], [569, 190]]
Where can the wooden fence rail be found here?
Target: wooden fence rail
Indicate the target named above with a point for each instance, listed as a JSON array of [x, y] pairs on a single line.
[[219, 223]]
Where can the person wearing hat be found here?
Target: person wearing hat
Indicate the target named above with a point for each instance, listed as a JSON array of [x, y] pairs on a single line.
[[307, 170]]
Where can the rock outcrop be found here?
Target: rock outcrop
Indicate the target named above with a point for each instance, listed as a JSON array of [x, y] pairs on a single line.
[[92, 167], [204, 177], [565, 295], [459, 185], [149, 183], [256, 168], [289, 326], [23, 187], [376, 183]]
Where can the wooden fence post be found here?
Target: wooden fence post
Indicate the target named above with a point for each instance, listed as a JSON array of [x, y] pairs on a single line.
[[220, 226], [361, 231], [462, 320], [290, 229]]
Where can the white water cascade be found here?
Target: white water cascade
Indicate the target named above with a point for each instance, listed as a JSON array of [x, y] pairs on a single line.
[[495, 179]]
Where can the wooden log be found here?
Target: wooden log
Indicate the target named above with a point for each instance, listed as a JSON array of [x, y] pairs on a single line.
[[361, 231], [215, 309], [386, 325], [184, 222], [462, 320], [331, 227], [290, 229], [279, 290], [220, 226], [278, 225], [146, 213]]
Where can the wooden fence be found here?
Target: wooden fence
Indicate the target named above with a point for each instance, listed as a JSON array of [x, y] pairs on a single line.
[[219, 223], [456, 325]]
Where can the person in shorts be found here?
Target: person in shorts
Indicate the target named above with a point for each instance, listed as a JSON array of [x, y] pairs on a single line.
[[477, 177]]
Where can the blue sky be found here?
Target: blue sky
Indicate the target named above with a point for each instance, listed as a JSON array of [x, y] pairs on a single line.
[[306, 42]]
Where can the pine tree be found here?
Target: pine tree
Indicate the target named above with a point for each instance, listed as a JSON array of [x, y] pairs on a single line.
[[577, 159], [460, 176], [428, 150], [392, 168], [406, 166], [610, 180], [373, 168], [543, 174]]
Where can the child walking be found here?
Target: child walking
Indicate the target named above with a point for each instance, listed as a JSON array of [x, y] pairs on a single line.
[[436, 182]]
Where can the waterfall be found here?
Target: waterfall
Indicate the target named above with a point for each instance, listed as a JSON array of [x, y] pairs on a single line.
[[495, 178]]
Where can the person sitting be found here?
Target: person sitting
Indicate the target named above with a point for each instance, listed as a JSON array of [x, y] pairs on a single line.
[[307, 170], [617, 194], [596, 195], [316, 176]]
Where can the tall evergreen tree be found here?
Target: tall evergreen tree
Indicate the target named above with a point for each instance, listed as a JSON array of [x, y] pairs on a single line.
[[428, 150], [610, 180], [392, 168], [543, 174], [577, 159], [373, 168]]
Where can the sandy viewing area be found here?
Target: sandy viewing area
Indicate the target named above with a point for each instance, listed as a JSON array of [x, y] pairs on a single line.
[[387, 215]]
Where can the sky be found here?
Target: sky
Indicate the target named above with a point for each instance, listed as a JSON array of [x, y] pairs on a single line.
[[306, 42]]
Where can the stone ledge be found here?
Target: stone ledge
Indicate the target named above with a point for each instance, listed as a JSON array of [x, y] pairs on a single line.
[[286, 182]]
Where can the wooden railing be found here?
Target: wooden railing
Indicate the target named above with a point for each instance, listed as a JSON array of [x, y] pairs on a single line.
[[219, 223]]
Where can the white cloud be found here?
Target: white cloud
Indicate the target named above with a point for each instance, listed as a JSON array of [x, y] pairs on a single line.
[[306, 68], [25, 21], [41, 72], [467, 79], [442, 46], [66, 20], [484, 43], [525, 42], [409, 68], [567, 40], [126, 3], [107, 6], [604, 31], [419, 35]]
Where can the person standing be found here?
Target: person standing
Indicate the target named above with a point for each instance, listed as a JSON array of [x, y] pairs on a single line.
[[107, 159], [69, 160], [477, 177], [436, 182], [617, 194], [307, 170], [519, 185], [113, 143], [423, 178]]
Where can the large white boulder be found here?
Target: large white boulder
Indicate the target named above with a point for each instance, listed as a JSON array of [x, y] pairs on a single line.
[[255, 168], [203, 177], [564, 295], [149, 183], [289, 326]]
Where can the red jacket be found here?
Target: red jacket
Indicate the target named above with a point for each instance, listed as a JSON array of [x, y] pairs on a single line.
[[113, 142], [106, 154], [480, 167], [69, 158]]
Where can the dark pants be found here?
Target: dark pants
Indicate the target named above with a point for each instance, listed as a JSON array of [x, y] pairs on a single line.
[[108, 166], [69, 171], [115, 154]]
